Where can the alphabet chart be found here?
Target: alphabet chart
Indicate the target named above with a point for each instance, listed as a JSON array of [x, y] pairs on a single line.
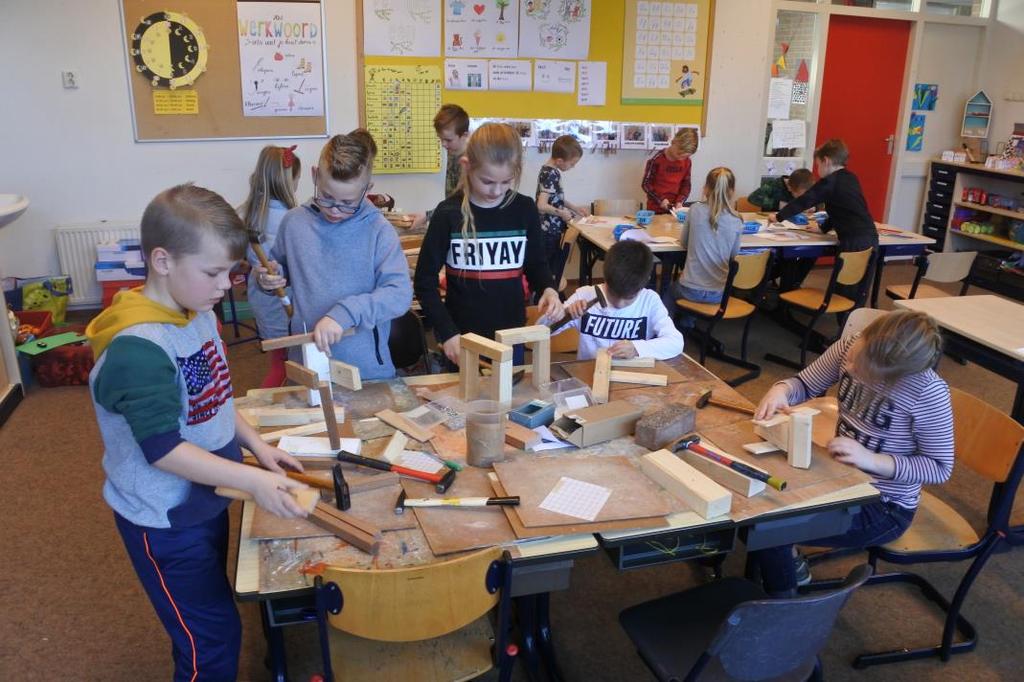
[[400, 106]]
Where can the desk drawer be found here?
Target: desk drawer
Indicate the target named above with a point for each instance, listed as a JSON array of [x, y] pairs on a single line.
[[941, 185], [798, 528], [944, 173], [941, 197], [671, 547], [933, 232]]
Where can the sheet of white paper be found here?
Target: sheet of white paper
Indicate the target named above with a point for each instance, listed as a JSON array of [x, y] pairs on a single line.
[[593, 84], [576, 498], [409, 29], [414, 459], [556, 30], [465, 74], [576, 402], [788, 134], [646, 237], [548, 441], [780, 93], [510, 74], [552, 76], [317, 446]]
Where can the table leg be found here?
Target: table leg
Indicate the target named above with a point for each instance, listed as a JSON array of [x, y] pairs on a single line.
[[276, 659], [547, 648], [876, 282], [529, 654]]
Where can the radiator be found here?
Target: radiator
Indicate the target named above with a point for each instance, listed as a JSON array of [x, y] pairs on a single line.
[[76, 250]]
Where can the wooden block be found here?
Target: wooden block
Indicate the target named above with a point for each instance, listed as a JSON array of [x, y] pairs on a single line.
[[638, 378], [295, 340], [657, 429], [644, 363], [762, 447], [346, 375], [484, 347], [501, 388], [602, 375], [511, 337], [265, 392], [306, 497], [395, 446], [469, 374], [518, 436], [733, 480], [702, 494], [800, 447], [775, 431], [404, 424], [280, 416], [330, 417], [305, 430], [541, 351], [357, 533], [302, 375]]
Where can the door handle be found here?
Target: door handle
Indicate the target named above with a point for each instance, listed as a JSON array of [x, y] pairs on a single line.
[[889, 143]]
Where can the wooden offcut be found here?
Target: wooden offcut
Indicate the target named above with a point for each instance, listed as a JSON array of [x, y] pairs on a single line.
[[306, 497], [395, 447], [538, 339], [302, 375], [702, 494], [624, 377], [346, 375], [330, 417], [304, 430], [295, 340], [405, 425], [472, 348], [280, 416], [723, 475], [645, 363], [602, 375], [358, 533], [518, 436], [800, 446]]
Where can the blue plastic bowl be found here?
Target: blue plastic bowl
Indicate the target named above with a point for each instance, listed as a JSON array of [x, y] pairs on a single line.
[[644, 217], [799, 219], [751, 227], [681, 214], [620, 229]]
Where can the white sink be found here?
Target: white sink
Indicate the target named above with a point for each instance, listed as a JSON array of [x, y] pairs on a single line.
[[11, 206]]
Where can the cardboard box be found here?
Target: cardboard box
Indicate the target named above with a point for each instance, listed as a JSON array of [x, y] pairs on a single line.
[[598, 423]]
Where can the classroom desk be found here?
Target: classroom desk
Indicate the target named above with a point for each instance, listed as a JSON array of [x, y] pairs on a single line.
[[987, 330], [596, 238], [279, 573]]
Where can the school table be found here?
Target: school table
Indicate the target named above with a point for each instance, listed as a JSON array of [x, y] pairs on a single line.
[[596, 236], [276, 572]]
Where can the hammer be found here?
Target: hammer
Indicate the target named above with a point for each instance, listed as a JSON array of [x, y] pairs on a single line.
[[691, 442], [568, 318], [705, 398]]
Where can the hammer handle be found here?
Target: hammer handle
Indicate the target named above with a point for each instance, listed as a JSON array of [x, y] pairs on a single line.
[[257, 248], [731, 406]]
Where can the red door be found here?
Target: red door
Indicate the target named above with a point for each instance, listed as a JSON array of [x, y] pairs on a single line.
[[860, 97]]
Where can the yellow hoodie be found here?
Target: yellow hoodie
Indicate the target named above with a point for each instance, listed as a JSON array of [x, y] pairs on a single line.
[[130, 308]]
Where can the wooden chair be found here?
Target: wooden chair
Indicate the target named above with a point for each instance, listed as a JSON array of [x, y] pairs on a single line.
[[572, 233], [743, 205], [730, 630], [944, 268], [565, 341], [990, 444], [615, 207], [859, 319], [427, 622], [407, 342], [747, 273], [851, 269]]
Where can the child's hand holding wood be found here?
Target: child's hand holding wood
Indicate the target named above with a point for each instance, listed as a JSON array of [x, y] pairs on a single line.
[[275, 459], [775, 400], [624, 350], [451, 348], [550, 306], [326, 332]]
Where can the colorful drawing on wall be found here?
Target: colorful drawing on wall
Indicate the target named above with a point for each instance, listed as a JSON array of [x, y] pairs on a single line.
[[915, 133], [400, 106], [169, 49], [801, 83], [398, 28], [925, 96], [554, 29], [780, 64], [664, 57], [489, 28]]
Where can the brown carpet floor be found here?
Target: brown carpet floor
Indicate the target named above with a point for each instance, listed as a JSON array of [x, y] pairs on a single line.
[[71, 608]]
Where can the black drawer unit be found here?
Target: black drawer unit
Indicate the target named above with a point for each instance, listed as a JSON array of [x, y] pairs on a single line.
[[940, 197], [939, 204], [941, 172]]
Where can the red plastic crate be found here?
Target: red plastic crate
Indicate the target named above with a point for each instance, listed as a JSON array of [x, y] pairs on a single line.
[[42, 320], [110, 289]]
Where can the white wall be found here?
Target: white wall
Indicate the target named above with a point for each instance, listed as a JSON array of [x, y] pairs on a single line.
[[1003, 73]]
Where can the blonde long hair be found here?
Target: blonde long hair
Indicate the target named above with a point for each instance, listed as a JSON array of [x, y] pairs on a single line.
[[497, 144], [277, 168], [719, 191], [898, 344]]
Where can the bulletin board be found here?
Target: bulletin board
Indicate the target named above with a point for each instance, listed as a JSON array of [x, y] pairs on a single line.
[[212, 106], [607, 38]]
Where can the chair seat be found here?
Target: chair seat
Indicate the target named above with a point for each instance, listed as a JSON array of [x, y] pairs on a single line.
[[734, 309], [936, 526], [902, 291], [810, 298], [461, 655]]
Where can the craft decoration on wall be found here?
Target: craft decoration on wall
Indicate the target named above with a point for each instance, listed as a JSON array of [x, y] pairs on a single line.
[[664, 57], [281, 58], [554, 29], [481, 29], [400, 106], [925, 96], [780, 64], [801, 84], [915, 133], [402, 28], [170, 49]]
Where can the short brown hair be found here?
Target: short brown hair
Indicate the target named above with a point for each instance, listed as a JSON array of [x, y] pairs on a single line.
[[898, 344], [177, 218], [834, 150], [566, 148], [800, 180], [345, 156], [451, 116], [367, 138], [627, 268], [687, 140]]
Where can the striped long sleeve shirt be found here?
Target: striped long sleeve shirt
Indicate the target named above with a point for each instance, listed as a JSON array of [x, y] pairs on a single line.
[[910, 420]]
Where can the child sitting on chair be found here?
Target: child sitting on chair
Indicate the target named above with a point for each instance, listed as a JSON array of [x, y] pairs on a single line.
[[775, 193], [634, 323]]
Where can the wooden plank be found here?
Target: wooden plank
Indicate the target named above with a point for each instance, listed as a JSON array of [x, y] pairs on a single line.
[[432, 379], [280, 416], [305, 430], [302, 375], [518, 436], [647, 363], [405, 425], [584, 371], [395, 447], [702, 494], [511, 337], [801, 425], [501, 386], [330, 417], [306, 497], [541, 352], [602, 375], [469, 374], [346, 375], [295, 340], [484, 347], [374, 505], [346, 527], [637, 378], [270, 392], [723, 475]]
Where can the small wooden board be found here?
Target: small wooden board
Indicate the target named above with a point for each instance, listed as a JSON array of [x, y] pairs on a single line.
[[376, 506], [356, 532], [405, 425], [304, 430], [584, 371]]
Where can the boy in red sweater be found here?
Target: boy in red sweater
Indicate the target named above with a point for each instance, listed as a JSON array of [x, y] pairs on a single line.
[[667, 175]]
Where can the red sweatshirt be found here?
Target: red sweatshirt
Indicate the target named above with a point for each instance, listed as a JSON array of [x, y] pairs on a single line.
[[666, 179]]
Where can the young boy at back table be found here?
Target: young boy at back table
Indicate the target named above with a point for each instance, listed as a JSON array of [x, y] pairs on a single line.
[[667, 174], [635, 322], [164, 406], [344, 261]]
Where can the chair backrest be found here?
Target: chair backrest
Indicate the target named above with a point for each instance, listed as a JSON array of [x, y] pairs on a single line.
[[987, 440], [568, 243], [861, 318], [406, 342], [752, 270], [565, 341], [743, 205], [615, 207], [855, 266], [412, 604], [769, 638], [950, 267]]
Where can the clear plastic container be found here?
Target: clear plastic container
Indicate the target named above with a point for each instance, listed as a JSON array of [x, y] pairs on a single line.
[[485, 433]]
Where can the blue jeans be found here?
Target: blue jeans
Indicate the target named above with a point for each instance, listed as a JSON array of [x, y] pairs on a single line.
[[678, 290], [875, 524]]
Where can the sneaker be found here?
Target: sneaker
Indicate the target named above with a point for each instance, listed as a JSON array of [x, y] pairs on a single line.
[[802, 570]]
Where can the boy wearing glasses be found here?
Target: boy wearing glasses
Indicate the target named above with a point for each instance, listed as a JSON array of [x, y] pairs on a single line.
[[344, 262]]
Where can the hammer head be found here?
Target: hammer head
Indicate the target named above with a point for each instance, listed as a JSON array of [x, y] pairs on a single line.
[[703, 398], [685, 442], [600, 297]]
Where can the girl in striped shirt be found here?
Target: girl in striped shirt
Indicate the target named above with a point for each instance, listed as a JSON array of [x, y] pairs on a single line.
[[895, 423]]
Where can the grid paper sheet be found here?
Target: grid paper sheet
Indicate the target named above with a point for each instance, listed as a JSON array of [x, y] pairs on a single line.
[[576, 498]]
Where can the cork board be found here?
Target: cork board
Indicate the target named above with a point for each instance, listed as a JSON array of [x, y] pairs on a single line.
[[219, 88]]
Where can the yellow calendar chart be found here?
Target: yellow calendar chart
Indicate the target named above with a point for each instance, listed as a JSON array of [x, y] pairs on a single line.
[[400, 105]]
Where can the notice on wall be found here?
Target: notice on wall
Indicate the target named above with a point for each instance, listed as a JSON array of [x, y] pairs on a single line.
[[481, 29], [400, 105], [554, 29], [281, 58], [664, 53], [780, 94], [593, 84], [510, 74], [554, 76], [175, 102], [791, 134], [400, 29], [465, 74]]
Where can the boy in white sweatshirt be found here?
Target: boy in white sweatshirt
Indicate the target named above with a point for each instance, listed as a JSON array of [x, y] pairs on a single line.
[[634, 323]]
